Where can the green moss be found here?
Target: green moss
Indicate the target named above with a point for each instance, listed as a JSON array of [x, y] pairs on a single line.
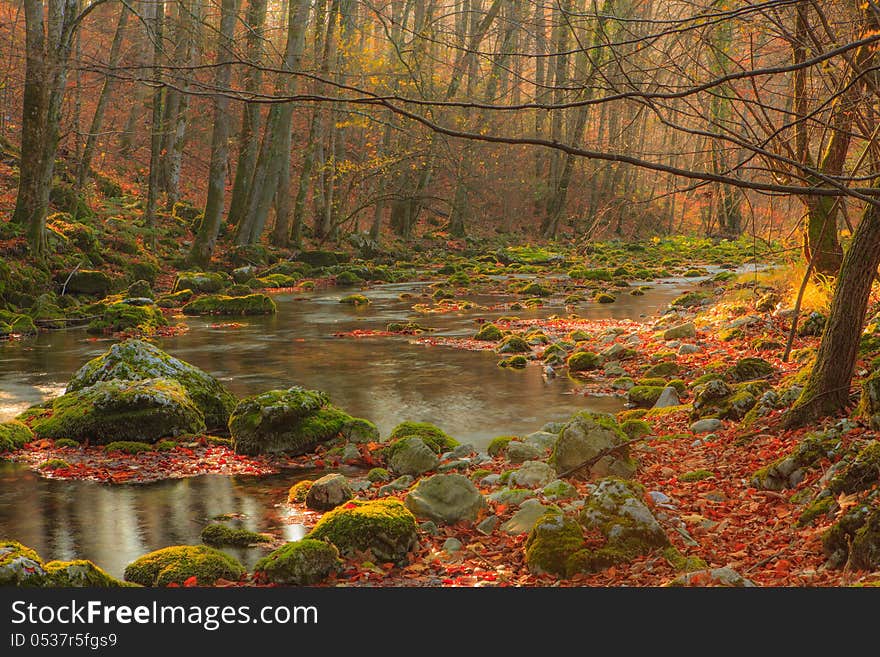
[[174, 300], [79, 573], [696, 475], [301, 563], [554, 353], [682, 563], [114, 410], [384, 527], [694, 273], [822, 506], [273, 282], [705, 378], [596, 274], [498, 445], [252, 304], [489, 333], [669, 368], [54, 464], [66, 442], [128, 447], [125, 317], [644, 396], [14, 435], [552, 545], [434, 437], [208, 282], [20, 565], [749, 369], [656, 413], [19, 324], [90, 283], [689, 300], [604, 297], [479, 473], [355, 300], [219, 535], [178, 563], [459, 278], [623, 383], [517, 361], [165, 445], [679, 385], [635, 428], [378, 475], [582, 361], [652, 382], [299, 491], [513, 344], [574, 299], [860, 473]]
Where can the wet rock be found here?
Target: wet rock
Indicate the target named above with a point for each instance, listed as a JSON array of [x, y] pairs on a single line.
[[447, 498], [328, 492], [20, 565], [301, 563], [584, 438]]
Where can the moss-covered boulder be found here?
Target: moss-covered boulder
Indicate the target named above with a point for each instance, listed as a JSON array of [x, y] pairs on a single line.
[[17, 323], [89, 282], [664, 369], [489, 333], [680, 331], [301, 563], [582, 361], [115, 410], [322, 258], [134, 360], [328, 492], [861, 472], [717, 399], [447, 498], [174, 300], [80, 574], [14, 435], [552, 545], [219, 535], [208, 282], [749, 369], [126, 316], [513, 344], [788, 471], [221, 304], [140, 289], [20, 565], [292, 421], [583, 438], [178, 563], [410, 455], [434, 437], [383, 527], [855, 538], [644, 396]]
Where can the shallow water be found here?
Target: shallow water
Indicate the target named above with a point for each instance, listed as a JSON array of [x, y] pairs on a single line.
[[386, 380]]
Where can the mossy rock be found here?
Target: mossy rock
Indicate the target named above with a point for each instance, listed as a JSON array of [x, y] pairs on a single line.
[[140, 289], [578, 336], [136, 359], [862, 472], [178, 563], [127, 446], [583, 438], [54, 464], [513, 344], [854, 539], [434, 437], [379, 475], [89, 282], [813, 325], [174, 300], [534, 289], [667, 368], [644, 396], [355, 300], [689, 300], [80, 574], [604, 297], [696, 475], [634, 428], [271, 281], [14, 435], [384, 527], [126, 316], [582, 361], [207, 282], [114, 410], [220, 535], [301, 563], [17, 323], [20, 566], [749, 369], [489, 333], [320, 258], [299, 491], [221, 304], [498, 445], [445, 498], [517, 361], [292, 421], [552, 543]]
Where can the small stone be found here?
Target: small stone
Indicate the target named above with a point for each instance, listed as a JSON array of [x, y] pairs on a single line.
[[359, 484], [533, 474], [328, 492], [525, 518], [669, 397], [350, 453], [673, 344], [465, 449], [429, 527], [401, 483], [659, 498], [452, 545], [519, 452], [708, 424], [559, 489], [458, 464], [614, 369], [511, 496], [686, 330], [686, 349], [490, 479], [488, 525]]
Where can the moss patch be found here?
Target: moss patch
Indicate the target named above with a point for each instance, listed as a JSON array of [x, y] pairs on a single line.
[[434, 437], [219, 535], [301, 563], [251, 304]]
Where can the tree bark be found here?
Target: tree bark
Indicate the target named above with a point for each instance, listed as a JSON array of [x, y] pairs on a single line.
[[157, 123]]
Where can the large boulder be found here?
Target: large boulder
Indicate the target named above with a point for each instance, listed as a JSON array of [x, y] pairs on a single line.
[[383, 527], [301, 563], [554, 544], [328, 492], [447, 498], [411, 456], [532, 474], [134, 360], [20, 566], [586, 436], [200, 281], [179, 563], [292, 421], [89, 282], [114, 410], [221, 304]]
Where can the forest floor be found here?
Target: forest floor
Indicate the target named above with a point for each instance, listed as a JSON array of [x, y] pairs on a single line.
[[707, 490]]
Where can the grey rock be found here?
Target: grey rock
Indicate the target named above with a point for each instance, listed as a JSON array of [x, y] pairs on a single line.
[[511, 496], [659, 497], [465, 449], [559, 489], [244, 274], [519, 452], [412, 456], [616, 508], [328, 492], [452, 545], [708, 424], [401, 483], [429, 527], [686, 349], [488, 525], [350, 453], [360, 483], [525, 518], [553, 427], [715, 576], [532, 474], [614, 369], [458, 464], [490, 479], [542, 439], [447, 498], [583, 438], [669, 397]]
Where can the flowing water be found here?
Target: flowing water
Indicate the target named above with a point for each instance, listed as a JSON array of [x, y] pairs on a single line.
[[384, 379]]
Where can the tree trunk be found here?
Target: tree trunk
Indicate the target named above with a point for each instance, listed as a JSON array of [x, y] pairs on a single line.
[[281, 232], [249, 137], [156, 131], [827, 390], [85, 164], [205, 240]]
